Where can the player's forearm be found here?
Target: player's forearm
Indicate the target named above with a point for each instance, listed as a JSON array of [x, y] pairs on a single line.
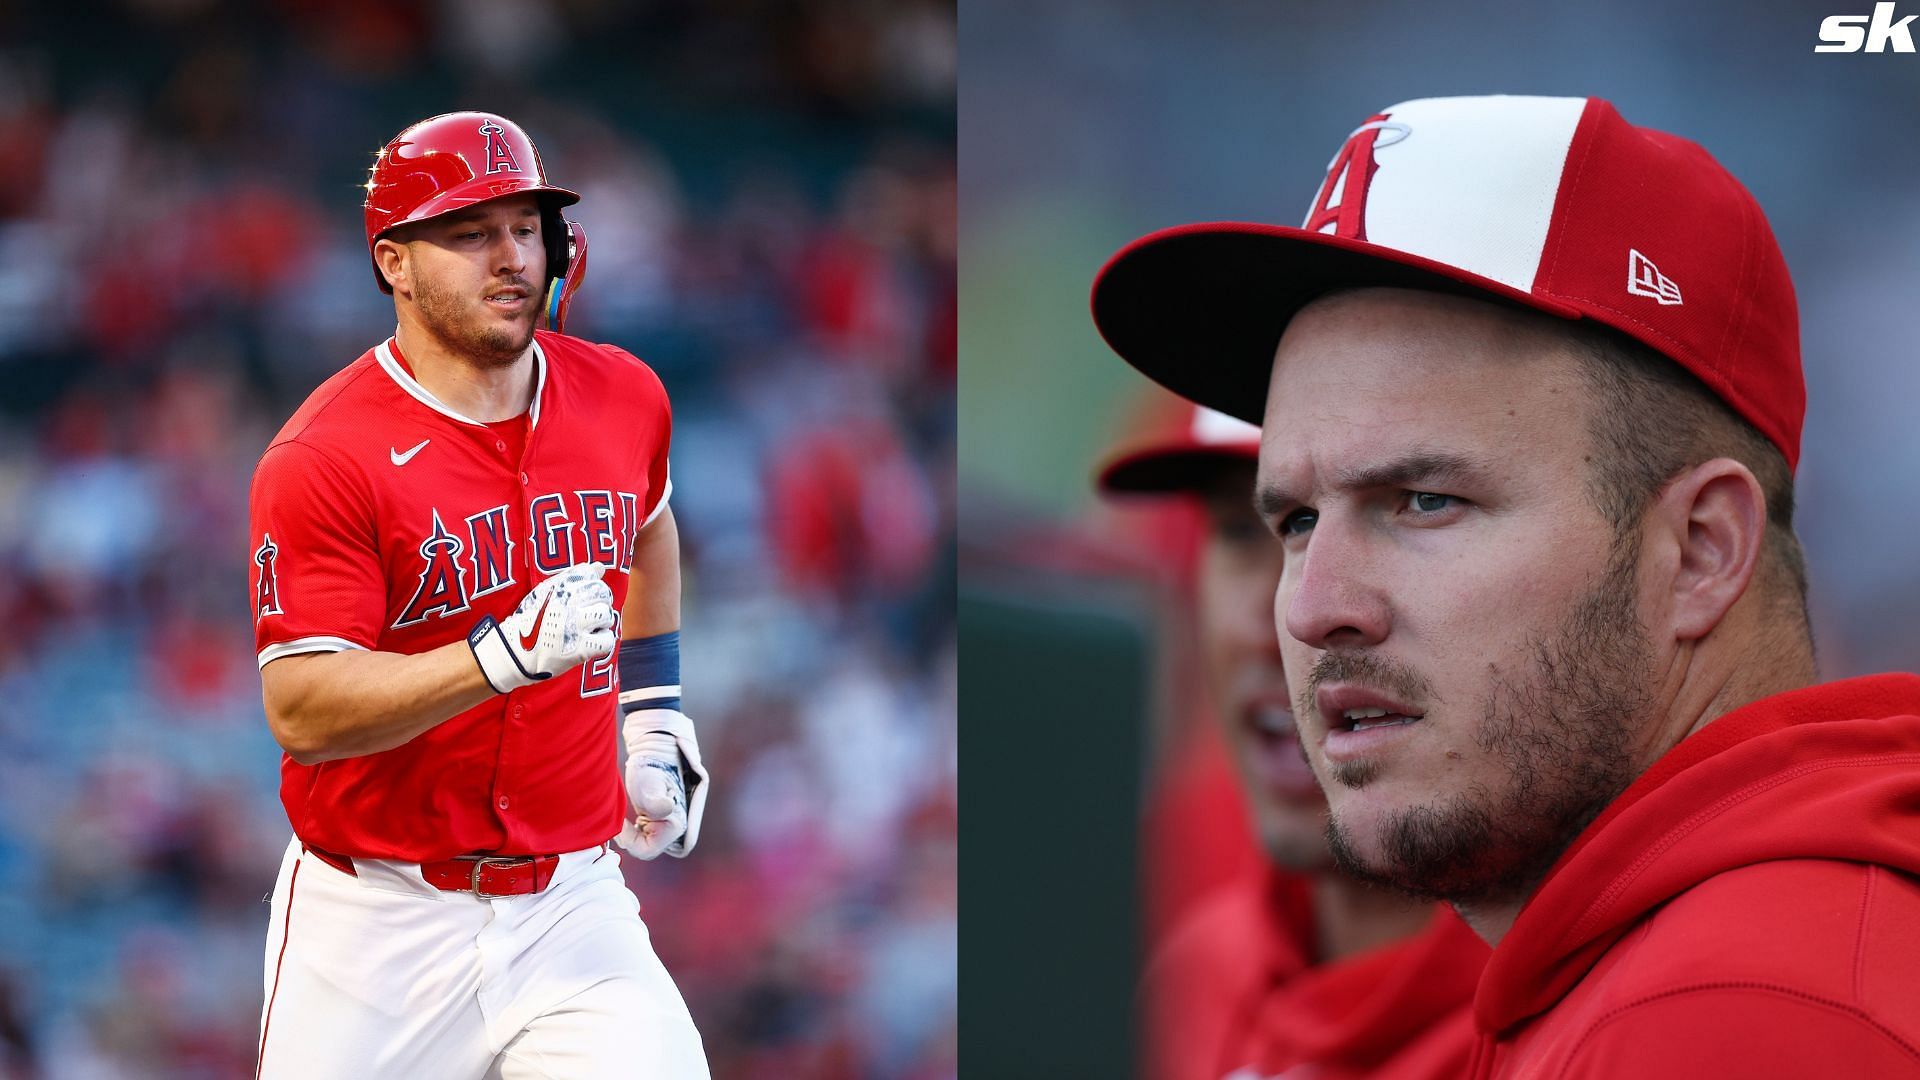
[[327, 706], [653, 589], [666, 781]]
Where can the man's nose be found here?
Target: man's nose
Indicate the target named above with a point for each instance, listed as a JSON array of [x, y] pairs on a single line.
[[1333, 598], [509, 255]]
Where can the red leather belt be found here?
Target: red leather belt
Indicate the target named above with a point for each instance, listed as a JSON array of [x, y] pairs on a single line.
[[485, 876]]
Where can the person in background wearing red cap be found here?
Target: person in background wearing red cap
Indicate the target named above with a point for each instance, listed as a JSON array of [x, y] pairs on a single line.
[[1529, 437], [1299, 966], [451, 537]]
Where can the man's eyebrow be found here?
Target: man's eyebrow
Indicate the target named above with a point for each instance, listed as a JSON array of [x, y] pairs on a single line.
[[1410, 470], [1420, 466], [1270, 501]]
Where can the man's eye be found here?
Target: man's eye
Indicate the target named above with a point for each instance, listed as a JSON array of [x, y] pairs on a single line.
[[1297, 523], [1426, 502]]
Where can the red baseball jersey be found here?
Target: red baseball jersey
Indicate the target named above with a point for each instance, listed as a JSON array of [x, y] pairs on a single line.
[[382, 519]]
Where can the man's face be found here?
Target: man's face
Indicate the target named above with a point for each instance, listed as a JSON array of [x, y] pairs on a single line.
[[1239, 570], [1459, 622], [476, 277]]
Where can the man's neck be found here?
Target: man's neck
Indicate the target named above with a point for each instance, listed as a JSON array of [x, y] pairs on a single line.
[[1700, 686], [1702, 692], [1351, 917], [483, 392]]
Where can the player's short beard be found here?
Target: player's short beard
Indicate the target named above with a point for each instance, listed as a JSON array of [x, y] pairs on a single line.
[[490, 345], [1564, 727]]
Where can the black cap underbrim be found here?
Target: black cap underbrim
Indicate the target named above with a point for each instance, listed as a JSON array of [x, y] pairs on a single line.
[[1171, 470], [1200, 308]]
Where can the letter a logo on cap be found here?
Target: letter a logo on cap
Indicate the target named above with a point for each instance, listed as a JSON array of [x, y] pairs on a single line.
[[1341, 208], [499, 154]]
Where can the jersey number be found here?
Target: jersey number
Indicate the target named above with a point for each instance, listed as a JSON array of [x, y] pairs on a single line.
[[596, 676]]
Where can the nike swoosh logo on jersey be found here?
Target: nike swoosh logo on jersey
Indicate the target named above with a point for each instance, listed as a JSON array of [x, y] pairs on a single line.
[[400, 458], [528, 639]]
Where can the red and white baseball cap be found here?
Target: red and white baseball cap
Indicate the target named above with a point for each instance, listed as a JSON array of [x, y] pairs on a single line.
[[1557, 204], [1185, 460]]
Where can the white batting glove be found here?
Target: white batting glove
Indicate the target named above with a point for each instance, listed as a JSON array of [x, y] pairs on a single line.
[[564, 621], [666, 784]]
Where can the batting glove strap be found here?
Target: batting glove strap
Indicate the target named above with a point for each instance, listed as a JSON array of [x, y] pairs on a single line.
[[561, 622], [660, 736], [498, 662]]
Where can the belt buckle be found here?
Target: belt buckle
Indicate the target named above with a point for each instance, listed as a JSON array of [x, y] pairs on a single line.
[[473, 884]]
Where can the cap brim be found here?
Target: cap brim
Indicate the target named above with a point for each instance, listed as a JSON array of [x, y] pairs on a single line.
[[1200, 308], [1170, 469]]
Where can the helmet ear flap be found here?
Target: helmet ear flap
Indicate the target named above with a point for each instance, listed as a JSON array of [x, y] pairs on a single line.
[[561, 287], [557, 232]]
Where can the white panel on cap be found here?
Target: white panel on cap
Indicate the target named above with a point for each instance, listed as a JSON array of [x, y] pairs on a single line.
[[1473, 182], [1218, 429]]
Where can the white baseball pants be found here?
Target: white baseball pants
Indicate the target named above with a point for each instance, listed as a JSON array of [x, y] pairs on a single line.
[[383, 975]]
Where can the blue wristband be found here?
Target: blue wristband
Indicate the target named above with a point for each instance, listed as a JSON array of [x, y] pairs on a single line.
[[650, 672]]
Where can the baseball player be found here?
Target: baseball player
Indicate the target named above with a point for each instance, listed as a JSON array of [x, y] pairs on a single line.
[[1530, 394], [464, 571], [1299, 966]]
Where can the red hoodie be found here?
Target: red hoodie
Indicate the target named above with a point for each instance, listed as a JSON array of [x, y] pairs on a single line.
[[1232, 996], [1205, 982], [1401, 1011], [1748, 907]]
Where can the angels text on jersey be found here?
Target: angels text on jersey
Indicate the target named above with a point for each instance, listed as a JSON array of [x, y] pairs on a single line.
[[461, 559]]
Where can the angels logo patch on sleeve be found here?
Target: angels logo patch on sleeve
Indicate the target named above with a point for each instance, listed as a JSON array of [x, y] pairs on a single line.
[[266, 589]]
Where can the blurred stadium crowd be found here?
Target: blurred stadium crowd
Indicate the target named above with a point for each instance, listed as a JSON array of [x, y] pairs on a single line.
[[769, 191]]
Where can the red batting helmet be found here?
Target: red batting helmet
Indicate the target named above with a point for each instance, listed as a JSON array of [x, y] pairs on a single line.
[[454, 160]]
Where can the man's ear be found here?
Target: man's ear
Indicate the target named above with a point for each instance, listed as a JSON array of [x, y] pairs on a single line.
[[394, 261], [1718, 515]]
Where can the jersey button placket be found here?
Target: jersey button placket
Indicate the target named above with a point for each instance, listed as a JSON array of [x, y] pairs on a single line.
[[519, 710]]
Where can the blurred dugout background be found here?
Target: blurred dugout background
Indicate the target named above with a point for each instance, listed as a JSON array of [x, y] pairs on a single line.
[[769, 191], [1088, 123]]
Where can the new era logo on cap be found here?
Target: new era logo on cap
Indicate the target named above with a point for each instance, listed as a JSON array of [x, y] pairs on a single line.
[[1645, 279], [1524, 200]]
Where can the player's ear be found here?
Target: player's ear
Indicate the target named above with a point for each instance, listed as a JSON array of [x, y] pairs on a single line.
[[394, 261], [1718, 515]]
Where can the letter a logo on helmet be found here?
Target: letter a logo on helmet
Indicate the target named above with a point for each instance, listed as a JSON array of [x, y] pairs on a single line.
[[499, 154], [1341, 208]]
